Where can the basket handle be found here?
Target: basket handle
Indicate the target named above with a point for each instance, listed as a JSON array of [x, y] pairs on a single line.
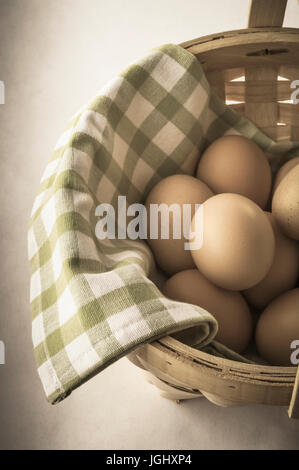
[[294, 404], [265, 13]]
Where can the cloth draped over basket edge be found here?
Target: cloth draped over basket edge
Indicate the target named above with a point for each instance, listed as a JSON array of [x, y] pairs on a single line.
[[92, 301]]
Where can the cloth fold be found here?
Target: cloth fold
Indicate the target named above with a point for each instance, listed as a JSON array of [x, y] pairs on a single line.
[[92, 301]]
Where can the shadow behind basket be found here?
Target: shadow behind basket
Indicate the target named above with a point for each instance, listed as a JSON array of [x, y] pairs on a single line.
[[252, 71]]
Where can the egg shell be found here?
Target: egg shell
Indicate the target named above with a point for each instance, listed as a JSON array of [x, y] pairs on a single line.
[[238, 242], [285, 204], [283, 171], [283, 273], [278, 327], [229, 308], [235, 164], [170, 254]]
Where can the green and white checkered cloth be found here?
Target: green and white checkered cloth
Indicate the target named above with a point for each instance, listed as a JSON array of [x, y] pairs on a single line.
[[91, 300]]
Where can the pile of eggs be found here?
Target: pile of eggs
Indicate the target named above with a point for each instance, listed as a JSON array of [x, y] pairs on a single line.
[[247, 266]]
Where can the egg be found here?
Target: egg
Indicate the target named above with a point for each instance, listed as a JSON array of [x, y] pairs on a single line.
[[238, 241], [170, 254], [283, 273], [283, 171], [278, 327], [285, 204], [229, 308], [235, 164]]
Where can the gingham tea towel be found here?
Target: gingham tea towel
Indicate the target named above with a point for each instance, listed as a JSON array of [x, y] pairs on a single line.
[[91, 300]]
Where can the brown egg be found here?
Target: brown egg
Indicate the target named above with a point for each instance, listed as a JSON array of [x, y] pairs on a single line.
[[278, 327], [170, 254], [285, 204], [235, 164], [229, 308], [238, 242], [283, 273], [283, 171]]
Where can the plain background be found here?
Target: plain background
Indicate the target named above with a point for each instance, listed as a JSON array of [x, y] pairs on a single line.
[[54, 56]]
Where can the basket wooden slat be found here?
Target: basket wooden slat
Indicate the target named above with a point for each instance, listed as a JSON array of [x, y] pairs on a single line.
[[221, 383], [294, 405], [264, 13]]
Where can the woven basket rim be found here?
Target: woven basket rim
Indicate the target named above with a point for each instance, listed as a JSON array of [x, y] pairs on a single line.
[[212, 361], [224, 36]]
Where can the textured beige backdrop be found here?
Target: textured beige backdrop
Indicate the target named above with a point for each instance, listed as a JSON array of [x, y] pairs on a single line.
[[54, 55]]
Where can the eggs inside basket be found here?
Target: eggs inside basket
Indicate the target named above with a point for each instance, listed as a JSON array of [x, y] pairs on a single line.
[[241, 262]]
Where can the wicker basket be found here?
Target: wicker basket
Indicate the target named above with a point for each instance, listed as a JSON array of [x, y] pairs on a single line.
[[265, 60]]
